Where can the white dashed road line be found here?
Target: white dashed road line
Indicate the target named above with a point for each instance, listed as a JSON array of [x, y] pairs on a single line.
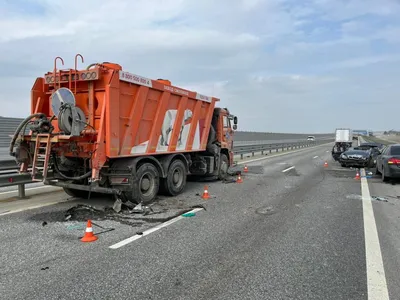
[[288, 169], [151, 230], [376, 280], [316, 156]]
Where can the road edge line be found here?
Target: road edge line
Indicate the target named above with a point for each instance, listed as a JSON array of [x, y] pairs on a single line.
[[376, 279]]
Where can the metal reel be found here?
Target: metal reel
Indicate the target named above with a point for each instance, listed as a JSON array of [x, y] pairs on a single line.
[[60, 97], [66, 122]]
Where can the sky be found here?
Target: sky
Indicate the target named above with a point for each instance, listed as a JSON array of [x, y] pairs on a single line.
[[291, 66]]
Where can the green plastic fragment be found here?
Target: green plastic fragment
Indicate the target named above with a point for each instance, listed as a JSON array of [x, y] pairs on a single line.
[[189, 214]]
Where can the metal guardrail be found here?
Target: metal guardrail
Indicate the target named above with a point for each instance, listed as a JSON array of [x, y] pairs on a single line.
[[9, 175]]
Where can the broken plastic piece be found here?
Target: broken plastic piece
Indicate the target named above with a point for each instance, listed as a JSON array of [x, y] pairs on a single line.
[[117, 205], [379, 198], [189, 214]]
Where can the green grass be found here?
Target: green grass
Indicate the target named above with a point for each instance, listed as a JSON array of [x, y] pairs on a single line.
[[373, 139]]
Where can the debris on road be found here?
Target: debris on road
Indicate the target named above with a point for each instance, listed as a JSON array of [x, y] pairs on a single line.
[[265, 210], [379, 198], [189, 214]]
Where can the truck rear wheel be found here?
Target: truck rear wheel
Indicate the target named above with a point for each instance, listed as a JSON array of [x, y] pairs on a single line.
[[175, 181], [148, 184]]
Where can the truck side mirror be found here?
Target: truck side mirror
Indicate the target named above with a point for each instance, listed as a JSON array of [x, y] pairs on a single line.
[[234, 126], [235, 121]]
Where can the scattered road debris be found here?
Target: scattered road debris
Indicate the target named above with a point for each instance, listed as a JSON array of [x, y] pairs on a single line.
[[189, 214], [379, 198]]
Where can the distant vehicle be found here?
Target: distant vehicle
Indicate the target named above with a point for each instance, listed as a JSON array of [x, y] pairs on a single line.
[[356, 157], [343, 141], [344, 135], [388, 162], [311, 138]]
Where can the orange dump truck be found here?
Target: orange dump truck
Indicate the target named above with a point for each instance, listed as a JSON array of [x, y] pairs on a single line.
[[105, 130]]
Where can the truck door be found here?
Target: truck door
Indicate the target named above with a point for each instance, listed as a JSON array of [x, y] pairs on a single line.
[[227, 136]]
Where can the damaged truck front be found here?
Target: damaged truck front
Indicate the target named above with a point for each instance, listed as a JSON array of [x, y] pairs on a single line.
[[105, 130]]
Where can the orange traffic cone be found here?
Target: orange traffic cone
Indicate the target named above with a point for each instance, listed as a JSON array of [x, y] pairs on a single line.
[[357, 176], [89, 236], [239, 179], [246, 169], [205, 193], [326, 164]]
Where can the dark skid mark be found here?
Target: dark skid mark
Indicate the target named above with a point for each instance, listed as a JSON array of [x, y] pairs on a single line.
[[342, 174], [253, 170], [292, 172], [82, 213]]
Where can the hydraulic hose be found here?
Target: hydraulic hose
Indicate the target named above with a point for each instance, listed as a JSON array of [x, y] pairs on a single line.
[[86, 175], [21, 125]]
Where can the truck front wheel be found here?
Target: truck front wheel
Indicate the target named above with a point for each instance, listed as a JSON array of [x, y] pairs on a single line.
[[148, 183], [175, 181]]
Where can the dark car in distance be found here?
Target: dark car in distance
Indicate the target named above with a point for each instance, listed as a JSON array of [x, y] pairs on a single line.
[[388, 162], [356, 157]]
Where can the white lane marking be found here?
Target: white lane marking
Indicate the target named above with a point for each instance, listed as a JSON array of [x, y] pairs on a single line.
[[288, 169], [151, 230], [281, 154], [376, 280], [316, 156]]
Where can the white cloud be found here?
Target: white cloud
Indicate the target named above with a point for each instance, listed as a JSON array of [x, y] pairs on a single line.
[[281, 65]]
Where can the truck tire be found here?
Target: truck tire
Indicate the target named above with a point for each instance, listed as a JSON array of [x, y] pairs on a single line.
[[223, 167], [76, 193], [175, 181], [147, 185]]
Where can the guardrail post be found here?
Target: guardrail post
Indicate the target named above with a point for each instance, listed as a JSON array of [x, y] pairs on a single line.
[[241, 156], [21, 191], [262, 152], [270, 150], [252, 153]]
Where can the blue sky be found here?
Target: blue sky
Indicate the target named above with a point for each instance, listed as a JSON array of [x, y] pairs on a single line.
[[281, 66]]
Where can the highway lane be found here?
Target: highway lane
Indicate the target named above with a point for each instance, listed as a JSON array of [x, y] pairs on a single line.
[[292, 230], [387, 216]]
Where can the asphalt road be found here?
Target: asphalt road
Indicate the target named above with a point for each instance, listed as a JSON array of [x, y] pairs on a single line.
[[293, 229]]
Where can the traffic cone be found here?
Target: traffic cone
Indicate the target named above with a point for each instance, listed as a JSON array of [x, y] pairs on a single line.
[[326, 164], [239, 179], [205, 193], [89, 236], [357, 176], [246, 169]]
